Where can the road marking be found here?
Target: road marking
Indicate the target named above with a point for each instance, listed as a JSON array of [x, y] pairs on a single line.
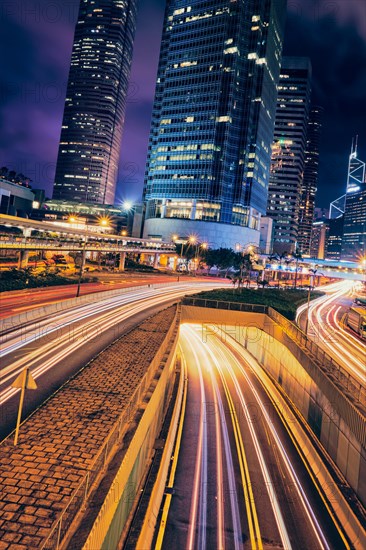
[[168, 497], [254, 531]]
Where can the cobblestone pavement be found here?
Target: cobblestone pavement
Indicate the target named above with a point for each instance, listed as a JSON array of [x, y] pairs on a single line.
[[60, 441]]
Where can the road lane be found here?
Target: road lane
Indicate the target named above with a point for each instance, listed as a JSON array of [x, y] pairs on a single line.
[[266, 497], [327, 328], [51, 344], [19, 301]]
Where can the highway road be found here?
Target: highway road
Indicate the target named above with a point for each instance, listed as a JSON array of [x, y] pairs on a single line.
[[239, 482], [327, 328], [18, 301], [57, 346]]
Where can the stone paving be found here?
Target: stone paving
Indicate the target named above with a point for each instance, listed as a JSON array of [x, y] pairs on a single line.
[[60, 441]]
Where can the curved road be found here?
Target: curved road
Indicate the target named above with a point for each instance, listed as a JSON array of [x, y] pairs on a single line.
[[239, 482], [58, 345], [327, 328]]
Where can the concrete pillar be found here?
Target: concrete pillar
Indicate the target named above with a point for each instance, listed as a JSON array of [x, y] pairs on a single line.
[[193, 209], [122, 259], [156, 260], [175, 262], [142, 258], [163, 208], [23, 259], [27, 232]]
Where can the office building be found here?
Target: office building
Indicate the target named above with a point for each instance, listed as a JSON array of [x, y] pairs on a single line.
[[310, 179], [266, 235], [337, 207], [334, 238], [289, 152], [354, 227], [321, 214], [90, 142], [213, 117], [318, 239], [15, 199]]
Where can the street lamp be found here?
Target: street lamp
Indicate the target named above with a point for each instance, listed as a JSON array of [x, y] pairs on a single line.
[[81, 269], [311, 281]]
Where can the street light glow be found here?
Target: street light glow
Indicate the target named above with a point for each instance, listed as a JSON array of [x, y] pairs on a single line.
[[127, 205]]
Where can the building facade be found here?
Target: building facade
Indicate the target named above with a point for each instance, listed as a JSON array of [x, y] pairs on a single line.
[[289, 152], [87, 163], [15, 199], [318, 239], [310, 180], [354, 227], [213, 117], [334, 238]]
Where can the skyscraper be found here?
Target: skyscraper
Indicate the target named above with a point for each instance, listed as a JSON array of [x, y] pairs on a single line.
[[310, 179], [288, 154], [354, 226], [93, 118], [212, 125]]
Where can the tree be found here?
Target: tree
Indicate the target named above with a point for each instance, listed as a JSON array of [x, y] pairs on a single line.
[[224, 258], [280, 259], [11, 175], [245, 263], [4, 172]]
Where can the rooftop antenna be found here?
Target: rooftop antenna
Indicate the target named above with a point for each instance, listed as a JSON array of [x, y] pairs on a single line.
[[356, 143]]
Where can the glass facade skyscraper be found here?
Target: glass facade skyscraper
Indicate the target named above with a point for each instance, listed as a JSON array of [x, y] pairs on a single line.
[[288, 155], [213, 118], [310, 180], [354, 226], [90, 142]]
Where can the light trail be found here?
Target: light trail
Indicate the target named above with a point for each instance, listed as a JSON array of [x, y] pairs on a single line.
[[95, 318], [286, 459], [326, 330], [221, 436], [199, 494], [224, 360], [254, 531], [47, 326]]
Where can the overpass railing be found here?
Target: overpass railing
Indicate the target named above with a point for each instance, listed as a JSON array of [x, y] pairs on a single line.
[[334, 369]]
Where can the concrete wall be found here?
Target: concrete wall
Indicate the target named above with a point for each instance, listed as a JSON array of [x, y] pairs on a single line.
[[335, 421]]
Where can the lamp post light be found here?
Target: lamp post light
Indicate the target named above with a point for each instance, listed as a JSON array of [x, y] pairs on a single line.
[[311, 281], [81, 269]]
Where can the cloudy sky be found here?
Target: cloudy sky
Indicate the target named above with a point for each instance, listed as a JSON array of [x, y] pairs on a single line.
[[36, 39]]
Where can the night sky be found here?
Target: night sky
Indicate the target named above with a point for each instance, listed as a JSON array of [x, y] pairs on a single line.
[[36, 39]]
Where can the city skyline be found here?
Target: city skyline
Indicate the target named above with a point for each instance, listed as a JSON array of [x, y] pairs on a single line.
[[35, 146]]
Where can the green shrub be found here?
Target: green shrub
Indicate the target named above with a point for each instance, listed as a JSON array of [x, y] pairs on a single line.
[[284, 301], [18, 279]]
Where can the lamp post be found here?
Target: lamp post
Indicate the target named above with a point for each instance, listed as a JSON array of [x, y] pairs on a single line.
[[81, 269], [313, 271]]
